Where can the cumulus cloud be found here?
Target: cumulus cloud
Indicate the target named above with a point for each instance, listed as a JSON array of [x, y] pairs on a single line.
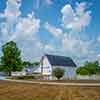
[[28, 26], [22, 30], [76, 19], [98, 38], [56, 32], [49, 47], [68, 14], [75, 46], [12, 8], [49, 2], [39, 3], [11, 14]]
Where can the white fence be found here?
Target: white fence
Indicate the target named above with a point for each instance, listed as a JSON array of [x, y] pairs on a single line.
[[18, 73], [87, 77]]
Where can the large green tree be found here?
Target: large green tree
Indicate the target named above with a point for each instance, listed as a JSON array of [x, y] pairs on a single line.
[[11, 58]]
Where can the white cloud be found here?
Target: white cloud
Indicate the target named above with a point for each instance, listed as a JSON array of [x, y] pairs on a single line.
[[28, 25], [40, 3], [56, 32], [76, 19], [12, 9], [75, 46], [39, 44], [68, 15], [98, 38], [11, 14], [49, 47], [80, 9], [22, 30], [49, 2]]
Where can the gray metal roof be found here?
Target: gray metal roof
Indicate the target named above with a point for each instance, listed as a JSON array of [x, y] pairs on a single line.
[[31, 68], [56, 60]]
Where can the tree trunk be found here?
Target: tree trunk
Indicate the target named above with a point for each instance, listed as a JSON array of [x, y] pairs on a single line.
[[9, 73]]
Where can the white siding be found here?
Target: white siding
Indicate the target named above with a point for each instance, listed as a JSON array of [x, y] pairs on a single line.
[[69, 71], [38, 70], [47, 68]]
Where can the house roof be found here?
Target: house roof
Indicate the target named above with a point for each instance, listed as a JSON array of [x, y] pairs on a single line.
[[31, 68], [56, 60]]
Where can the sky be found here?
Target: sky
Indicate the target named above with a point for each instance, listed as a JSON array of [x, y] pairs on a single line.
[[61, 27]]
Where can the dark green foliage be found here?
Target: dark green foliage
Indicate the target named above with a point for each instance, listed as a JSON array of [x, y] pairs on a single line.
[[11, 60], [36, 63], [89, 68], [58, 73], [84, 71], [78, 70], [27, 63]]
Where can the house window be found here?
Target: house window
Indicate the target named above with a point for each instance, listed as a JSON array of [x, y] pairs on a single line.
[[46, 67]]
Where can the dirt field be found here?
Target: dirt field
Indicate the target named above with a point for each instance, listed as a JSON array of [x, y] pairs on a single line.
[[69, 81], [22, 91]]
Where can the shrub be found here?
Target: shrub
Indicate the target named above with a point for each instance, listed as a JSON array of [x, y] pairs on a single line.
[[84, 71], [78, 70], [89, 68], [58, 73], [24, 77]]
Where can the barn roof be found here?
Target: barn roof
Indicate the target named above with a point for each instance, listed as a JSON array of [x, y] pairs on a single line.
[[56, 60]]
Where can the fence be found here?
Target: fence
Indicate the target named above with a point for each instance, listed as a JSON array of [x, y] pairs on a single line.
[[87, 77]]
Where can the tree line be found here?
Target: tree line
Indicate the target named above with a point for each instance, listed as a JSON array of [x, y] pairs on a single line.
[[89, 68]]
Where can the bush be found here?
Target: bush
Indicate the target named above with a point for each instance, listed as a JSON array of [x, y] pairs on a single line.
[[89, 68], [84, 71], [78, 70], [58, 73], [24, 77]]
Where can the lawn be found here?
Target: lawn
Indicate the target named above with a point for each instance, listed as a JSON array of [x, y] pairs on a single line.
[[22, 91]]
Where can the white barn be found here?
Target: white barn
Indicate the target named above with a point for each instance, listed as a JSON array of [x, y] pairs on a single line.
[[49, 62]]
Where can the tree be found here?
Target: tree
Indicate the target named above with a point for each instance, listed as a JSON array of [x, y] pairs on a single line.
[[27, 63], [78, 70], [36, 64], [92, 67], [89, 68], [97, 67], [84, 71], [11, 60], [58, 73]]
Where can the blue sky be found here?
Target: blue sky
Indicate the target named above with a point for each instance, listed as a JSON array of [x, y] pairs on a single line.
[[63, 27]]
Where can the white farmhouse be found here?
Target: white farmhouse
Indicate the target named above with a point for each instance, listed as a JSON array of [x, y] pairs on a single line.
[[49, 62]]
